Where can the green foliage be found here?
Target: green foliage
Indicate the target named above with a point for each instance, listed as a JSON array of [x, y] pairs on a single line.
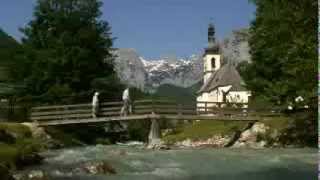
[[298, 129], [104, 141], [301, 130], [138, 130], [77, 134], [283, 46], [8, 155], [66, 136], [66, 50], [179, 94], [109, 87], [18, 130], [137, 94], [277, 123], [23, 146], [4, 172], [8, 47], [260, 102]]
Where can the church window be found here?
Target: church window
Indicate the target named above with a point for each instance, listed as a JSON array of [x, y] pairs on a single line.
[[213, 63]]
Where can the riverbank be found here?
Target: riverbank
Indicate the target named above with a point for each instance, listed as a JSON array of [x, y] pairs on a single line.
[[21, 144], [18, 148], [279, 132]]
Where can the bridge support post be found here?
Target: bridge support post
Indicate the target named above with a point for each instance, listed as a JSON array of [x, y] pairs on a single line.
[[154, 138]]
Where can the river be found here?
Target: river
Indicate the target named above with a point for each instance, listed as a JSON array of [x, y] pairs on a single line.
[[137, 163]]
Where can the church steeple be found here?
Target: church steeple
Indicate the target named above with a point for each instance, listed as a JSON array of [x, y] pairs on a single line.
[[213, 46], [211, 35], [212, 57]]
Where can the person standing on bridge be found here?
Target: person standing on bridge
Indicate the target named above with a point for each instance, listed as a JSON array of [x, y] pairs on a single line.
[[126, 102], [95, 105]]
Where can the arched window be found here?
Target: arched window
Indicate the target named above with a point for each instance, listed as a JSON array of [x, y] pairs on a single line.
[[213, 63]]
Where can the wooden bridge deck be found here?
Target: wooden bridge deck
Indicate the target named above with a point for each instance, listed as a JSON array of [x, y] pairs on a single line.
[[148, 109]]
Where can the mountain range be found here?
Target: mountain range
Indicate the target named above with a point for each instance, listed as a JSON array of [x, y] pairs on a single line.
[[148, 75]]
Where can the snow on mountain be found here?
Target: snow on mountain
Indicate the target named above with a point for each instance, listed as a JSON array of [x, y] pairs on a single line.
[[182, 73], [150, 74]]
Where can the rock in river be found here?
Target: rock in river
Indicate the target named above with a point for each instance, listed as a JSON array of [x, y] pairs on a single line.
[[98, 167], [32, 175]]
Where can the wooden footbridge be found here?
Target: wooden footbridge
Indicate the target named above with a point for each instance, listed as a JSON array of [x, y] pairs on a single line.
[[148, 109]]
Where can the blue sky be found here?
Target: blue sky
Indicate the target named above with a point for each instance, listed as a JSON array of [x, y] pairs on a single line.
[[155, 28]]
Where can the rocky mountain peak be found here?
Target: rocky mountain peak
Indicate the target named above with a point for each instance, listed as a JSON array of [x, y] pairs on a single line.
[[147, 75]]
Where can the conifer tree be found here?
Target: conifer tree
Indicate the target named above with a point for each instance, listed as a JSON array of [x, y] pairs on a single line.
[[67, 48]]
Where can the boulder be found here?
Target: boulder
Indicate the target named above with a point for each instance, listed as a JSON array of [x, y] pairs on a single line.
[[259, 128], [32, 175], [40, 133], [186, 143], [37, 132], [64, 173], [238, 144], [214, 141], [249, 137], [98, 167], [157, 144]]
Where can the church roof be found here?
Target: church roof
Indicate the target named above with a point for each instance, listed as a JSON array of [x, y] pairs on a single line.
[[225, 76]]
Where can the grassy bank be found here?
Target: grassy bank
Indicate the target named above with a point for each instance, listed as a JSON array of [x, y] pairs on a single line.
[[202, 130]]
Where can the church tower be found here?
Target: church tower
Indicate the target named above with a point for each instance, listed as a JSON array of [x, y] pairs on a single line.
[[211, 57]]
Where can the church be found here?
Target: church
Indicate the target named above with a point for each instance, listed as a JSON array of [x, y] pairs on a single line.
[[222, 83]]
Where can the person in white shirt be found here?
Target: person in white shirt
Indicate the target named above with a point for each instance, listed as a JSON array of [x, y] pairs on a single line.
[[126, 102], [95, 105]]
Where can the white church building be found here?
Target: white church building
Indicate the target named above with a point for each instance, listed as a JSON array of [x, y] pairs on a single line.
[[222, 83]]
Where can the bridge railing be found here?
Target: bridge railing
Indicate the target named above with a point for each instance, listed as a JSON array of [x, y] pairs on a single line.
[[145, 107], [74, 111], [162, 107]]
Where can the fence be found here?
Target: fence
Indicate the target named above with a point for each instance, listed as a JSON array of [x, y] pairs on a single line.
[[145, 107]]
